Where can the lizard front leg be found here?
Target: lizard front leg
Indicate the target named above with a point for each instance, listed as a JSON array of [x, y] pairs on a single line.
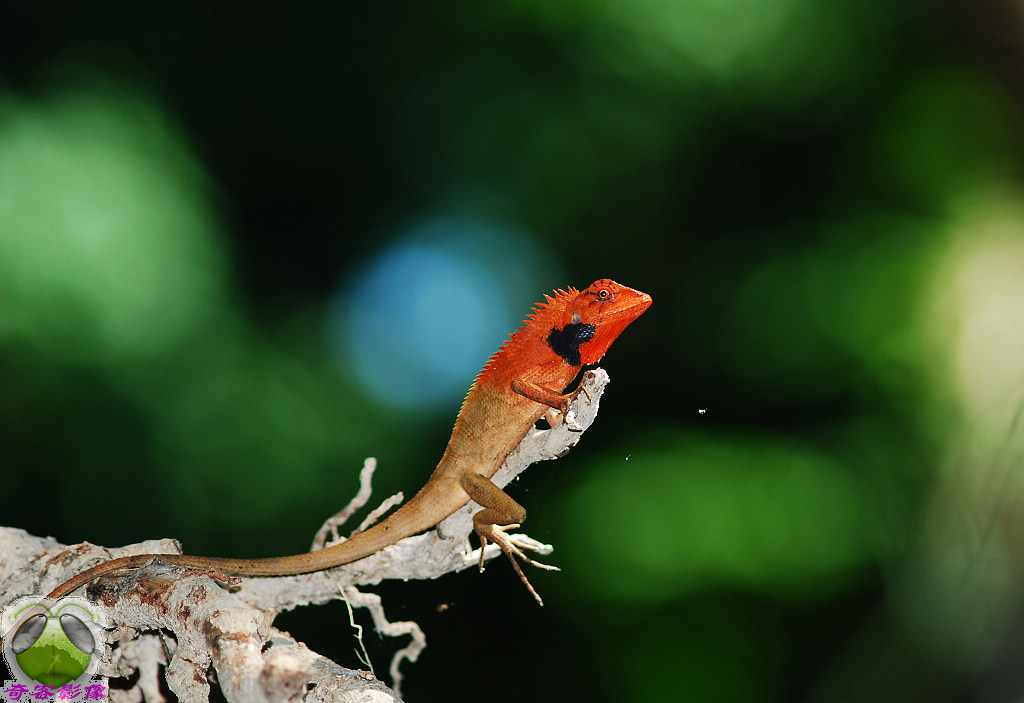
[[500, 513], [557, 401]]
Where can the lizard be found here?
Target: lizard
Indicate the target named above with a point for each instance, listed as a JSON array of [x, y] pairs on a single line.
[[523, 381]]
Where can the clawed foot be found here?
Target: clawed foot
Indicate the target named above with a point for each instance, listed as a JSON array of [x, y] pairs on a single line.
[[565, 414], [513, 548]]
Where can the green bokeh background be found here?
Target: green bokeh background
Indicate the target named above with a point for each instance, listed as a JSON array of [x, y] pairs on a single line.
[[806, 480]]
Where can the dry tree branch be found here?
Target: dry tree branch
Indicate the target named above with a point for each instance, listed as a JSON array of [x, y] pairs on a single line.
[[212, 633]]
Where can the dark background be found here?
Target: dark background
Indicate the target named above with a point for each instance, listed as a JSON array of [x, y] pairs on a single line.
[[823, 198]]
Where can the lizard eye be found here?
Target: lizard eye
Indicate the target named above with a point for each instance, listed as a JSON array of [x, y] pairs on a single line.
[[603, 294]]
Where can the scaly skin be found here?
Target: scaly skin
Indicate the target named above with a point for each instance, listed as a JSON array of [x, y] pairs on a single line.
[[519, 384]]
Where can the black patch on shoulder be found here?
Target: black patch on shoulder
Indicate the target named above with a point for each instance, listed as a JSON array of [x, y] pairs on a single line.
[[566, 341]]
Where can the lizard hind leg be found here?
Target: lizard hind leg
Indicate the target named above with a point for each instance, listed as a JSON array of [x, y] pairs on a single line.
[[500, 513], [490, 532]]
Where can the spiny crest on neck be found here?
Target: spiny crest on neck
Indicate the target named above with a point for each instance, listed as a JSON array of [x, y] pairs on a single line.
[[540, 320]]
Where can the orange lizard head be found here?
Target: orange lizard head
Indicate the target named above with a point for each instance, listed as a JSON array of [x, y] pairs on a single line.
[[591, 320]]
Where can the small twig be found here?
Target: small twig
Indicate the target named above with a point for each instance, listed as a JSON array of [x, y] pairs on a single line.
[[361, 654], [381, 509], [372, 602], [330, 526]]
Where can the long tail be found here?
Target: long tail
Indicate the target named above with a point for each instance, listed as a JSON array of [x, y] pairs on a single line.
[[408, 520]]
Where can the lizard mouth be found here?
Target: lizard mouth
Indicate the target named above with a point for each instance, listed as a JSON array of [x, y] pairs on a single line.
[[636, 308], [620, 318]]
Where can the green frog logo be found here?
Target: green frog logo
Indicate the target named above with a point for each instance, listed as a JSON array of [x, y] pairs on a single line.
[[53, 643]]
